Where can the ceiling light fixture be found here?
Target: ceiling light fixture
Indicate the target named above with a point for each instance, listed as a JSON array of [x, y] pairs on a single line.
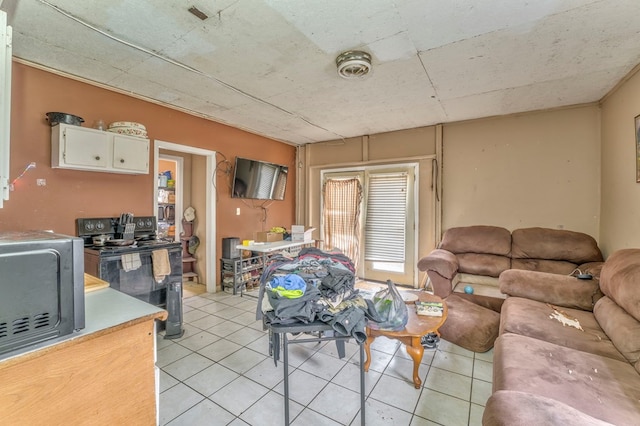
[[353, 64]]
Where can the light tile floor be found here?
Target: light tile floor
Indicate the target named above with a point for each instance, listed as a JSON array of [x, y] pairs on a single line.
[[220, 373]]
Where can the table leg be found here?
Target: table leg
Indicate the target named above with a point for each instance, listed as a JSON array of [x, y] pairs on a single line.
[[415, 350], [286, 378], [362, 399], [367, 348]]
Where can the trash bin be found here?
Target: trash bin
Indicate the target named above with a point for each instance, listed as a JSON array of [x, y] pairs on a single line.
[[173, 329]]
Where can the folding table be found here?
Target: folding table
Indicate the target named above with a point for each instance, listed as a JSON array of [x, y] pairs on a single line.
[[279, 332]]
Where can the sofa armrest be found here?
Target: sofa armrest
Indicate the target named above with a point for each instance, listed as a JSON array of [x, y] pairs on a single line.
[[441, 267], [441, 261], [560, 290]]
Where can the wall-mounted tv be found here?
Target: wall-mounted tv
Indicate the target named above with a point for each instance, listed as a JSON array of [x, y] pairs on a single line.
[[259, 180]]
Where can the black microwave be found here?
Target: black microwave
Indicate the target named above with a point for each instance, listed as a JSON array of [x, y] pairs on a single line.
[[41, 288]]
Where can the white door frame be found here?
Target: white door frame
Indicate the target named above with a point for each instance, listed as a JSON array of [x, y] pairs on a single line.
[[210, 201]]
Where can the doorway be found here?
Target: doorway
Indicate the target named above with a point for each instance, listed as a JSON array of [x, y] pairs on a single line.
[[380, 233], [204, 197], [170, 196]]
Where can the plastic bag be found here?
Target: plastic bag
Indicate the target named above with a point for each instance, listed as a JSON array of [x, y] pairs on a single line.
[[391, 308]]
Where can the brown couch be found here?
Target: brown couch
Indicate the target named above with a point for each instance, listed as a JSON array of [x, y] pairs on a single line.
[[475, 256], [546, 372]]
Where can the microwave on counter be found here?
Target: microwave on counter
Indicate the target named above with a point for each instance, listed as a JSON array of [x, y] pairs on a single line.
[[41, 288]]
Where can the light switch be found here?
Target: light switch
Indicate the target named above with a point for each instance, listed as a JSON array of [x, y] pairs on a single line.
[[238, 211]]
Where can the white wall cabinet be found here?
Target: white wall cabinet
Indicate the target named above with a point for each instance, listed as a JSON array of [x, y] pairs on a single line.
[[82, 148]]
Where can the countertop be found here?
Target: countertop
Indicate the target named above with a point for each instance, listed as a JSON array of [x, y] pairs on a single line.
[[106, 309]]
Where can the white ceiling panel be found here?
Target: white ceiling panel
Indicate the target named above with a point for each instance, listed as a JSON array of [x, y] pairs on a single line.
[[533, 97], [268, 66], [336, 25]]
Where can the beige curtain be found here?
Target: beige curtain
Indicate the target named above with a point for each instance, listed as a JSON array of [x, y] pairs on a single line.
[[341, 215]]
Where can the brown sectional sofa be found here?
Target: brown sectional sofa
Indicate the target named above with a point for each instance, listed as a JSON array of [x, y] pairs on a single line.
[[475, 256], [546, 372]]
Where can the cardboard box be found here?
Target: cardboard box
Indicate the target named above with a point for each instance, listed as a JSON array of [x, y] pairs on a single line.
[[268, 237], [297, 229], [305, 235]]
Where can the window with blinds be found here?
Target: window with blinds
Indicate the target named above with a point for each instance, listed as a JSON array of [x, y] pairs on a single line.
[[386, 217]]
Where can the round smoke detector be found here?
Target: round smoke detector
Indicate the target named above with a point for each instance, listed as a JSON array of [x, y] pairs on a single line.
[[353, 64]]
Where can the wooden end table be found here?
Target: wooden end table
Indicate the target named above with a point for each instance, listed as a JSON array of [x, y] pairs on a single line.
[[417, 326]]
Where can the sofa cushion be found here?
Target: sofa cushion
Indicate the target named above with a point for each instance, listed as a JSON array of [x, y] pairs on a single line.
[[620, 278], [477, 239], [543, 265], [530, 318], [483, 264], [557, 289], [554, 244], [622, 328], [599, 386], [470, 325], [513, 408]]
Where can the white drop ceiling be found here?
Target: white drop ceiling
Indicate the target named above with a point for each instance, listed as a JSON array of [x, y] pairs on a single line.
[[268, 66]]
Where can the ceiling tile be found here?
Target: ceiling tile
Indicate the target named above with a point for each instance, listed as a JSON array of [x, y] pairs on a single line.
[[268, 66]]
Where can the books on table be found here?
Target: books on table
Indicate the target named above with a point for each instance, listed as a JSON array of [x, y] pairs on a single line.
[[431, 309]]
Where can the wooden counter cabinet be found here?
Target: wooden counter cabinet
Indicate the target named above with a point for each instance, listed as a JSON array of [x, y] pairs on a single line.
[[104, 375]]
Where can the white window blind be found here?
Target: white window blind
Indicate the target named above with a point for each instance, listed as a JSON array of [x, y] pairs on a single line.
[[385, 227]]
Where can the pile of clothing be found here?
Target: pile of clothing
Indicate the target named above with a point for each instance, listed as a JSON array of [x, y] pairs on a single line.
[[314, 286]]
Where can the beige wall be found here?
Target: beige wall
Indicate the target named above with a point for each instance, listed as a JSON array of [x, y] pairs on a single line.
[[620, 202], [536, 169], [526, 170]]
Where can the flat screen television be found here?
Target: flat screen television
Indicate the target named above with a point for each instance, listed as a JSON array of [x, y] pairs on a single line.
[[259, 180]]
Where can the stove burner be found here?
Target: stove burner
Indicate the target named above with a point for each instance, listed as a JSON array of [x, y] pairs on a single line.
[[87, 228]]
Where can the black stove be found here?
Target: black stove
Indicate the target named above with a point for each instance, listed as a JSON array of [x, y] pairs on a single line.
[[130, 268], [113, 227]]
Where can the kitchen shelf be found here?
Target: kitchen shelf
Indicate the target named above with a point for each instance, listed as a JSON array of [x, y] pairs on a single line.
[[166, 209], [188, 261]]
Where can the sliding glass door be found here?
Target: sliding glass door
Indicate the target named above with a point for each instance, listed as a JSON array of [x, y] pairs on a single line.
[[370, 215], [389, 225]]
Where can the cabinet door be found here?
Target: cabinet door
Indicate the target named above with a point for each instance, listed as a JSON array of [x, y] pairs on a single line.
[[130, 154], [85, 148]]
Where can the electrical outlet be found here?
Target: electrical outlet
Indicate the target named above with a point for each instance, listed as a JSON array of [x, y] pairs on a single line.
[[41, 182]]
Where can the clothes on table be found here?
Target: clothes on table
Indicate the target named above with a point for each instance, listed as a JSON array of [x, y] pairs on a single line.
[[329, 294], [290, 286]]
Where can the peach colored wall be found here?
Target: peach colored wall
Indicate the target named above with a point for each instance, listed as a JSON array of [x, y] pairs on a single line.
[[620, 202], [525, 170], [70, 194]]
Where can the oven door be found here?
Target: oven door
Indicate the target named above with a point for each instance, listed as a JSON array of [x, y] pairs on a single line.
[[140, 282]]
